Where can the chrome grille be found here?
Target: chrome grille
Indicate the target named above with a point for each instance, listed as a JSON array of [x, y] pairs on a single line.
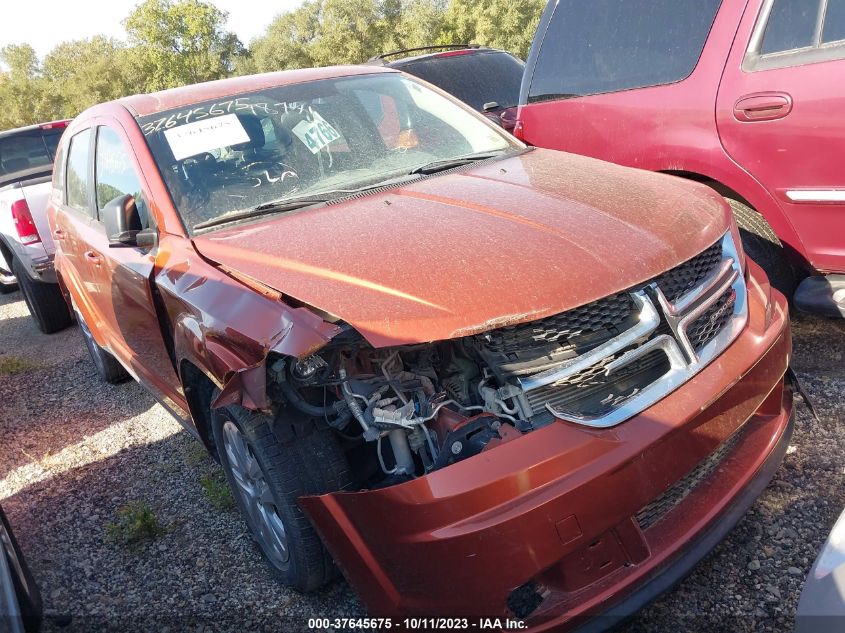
[[665, 503], [600, 364], [705, 328], [594, 392], [602, 315], [680, 280]]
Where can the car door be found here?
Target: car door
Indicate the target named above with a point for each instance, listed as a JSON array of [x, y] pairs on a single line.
[[121, 289], [76, 224], [779, 115]]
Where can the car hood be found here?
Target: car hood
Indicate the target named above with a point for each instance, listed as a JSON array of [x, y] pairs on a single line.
[[496, 244]]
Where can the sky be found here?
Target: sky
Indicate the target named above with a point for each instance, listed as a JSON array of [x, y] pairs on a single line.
[[45, 23]]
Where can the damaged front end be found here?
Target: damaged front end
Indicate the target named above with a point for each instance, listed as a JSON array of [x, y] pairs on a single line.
[[409, 410]]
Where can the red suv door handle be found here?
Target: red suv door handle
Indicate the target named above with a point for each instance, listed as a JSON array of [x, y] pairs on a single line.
[[763, 106], [93, 257]]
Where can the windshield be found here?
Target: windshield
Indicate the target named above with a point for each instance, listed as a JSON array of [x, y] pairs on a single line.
[[474, 78], [229, 156]]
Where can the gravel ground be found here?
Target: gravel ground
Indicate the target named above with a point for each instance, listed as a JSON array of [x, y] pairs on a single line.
[[76, 450]]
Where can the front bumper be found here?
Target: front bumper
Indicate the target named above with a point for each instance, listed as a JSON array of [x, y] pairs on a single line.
[[556, 511]]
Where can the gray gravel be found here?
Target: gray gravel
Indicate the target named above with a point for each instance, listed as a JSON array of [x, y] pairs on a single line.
[[76, 450]]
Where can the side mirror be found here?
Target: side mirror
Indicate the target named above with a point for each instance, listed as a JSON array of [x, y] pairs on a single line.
[[122, 221]]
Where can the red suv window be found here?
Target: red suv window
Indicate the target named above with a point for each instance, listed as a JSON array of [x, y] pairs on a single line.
[[607, 45], [791, 25], [834, 21]]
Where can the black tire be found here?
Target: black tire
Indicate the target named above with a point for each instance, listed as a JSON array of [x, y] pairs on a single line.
[[25, 588], [303, 465], [761, 244], [7, 288], [44, 301], [107, 366]]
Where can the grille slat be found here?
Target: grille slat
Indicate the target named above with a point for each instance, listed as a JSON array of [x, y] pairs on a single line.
[[594, 393], [669, 500], [558, 330], [705, 328], [681, 279]]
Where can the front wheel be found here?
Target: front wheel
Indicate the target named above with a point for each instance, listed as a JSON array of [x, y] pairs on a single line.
[[267, 477]]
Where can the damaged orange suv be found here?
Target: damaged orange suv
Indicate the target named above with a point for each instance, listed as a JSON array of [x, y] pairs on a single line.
[[483, 379]]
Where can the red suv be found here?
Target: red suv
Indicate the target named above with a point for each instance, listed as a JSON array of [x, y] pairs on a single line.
[[743, 95]]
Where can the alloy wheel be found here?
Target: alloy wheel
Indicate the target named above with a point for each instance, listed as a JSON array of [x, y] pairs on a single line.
[[257, 499]]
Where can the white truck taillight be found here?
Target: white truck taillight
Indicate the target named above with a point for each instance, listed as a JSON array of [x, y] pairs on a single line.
[[24, 223]]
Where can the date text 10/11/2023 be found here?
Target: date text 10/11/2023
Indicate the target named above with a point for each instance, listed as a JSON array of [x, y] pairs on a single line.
[[417, 624]]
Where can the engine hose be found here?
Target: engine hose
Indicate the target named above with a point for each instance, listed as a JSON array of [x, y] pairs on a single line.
[[338, 409]]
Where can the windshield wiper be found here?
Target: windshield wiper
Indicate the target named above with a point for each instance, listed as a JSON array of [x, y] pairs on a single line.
[[291, 204], [276, 206], [448, 163]]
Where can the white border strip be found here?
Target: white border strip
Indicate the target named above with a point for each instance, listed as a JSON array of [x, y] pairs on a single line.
[[816, 195]]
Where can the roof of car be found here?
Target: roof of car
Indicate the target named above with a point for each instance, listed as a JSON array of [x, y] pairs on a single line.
[[436, 51], [47, 125], [144, 104]]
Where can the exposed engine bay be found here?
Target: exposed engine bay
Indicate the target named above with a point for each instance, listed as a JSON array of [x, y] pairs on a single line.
[[418, 407], [422, 407]]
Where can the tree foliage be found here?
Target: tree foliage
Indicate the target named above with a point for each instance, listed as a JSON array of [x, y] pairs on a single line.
[[324, 32], [509, 25], [23, 92], [86, 72], [175, 42]]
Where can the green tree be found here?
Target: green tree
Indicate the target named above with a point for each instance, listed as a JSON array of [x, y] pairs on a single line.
[[286, 43], [23, 92], [421, 24], [85, 72], [506, 24], [21, 60], [327, 32], [324, 32], [177, 42]]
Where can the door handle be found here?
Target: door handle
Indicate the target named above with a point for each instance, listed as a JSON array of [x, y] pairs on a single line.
[[94, 258], [59, 234], [763, 106]]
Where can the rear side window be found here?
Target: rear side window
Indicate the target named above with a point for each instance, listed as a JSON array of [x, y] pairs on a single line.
[[607, 45], [59, 175], [834, 21], [115, 173], [791, 25], [78, 183], [475, 78]]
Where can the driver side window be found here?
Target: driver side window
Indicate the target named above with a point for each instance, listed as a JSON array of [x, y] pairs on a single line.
[[115, 175]]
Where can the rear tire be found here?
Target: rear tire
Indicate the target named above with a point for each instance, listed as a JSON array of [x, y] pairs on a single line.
[[44, 300], [267, 477], [107, 366], [761, 243], [7, 288]]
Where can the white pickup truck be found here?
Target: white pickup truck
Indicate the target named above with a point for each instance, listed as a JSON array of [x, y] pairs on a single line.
[[26, 244]]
